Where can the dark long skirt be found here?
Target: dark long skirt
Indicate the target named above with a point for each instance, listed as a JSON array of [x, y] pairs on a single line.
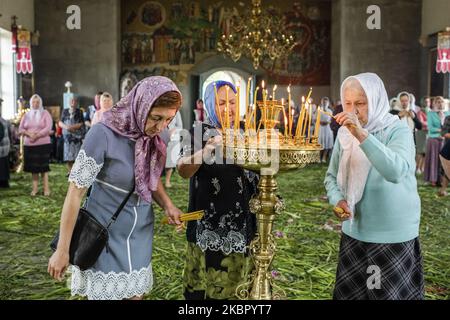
[[213, 274], [4, 172], [37, 158], [374, 271]]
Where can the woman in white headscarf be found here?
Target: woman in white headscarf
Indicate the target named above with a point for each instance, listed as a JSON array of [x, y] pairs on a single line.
[[405, 110], [36, 126], [371, 183], [326, 139]]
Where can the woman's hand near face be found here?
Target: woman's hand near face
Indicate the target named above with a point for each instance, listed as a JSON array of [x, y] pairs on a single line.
[[351, 121]]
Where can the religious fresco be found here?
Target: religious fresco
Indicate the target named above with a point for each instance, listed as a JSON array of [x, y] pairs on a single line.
[[170, 37], [310, 60]]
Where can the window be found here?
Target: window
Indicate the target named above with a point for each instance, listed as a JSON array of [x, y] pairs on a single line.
[[7, 74]]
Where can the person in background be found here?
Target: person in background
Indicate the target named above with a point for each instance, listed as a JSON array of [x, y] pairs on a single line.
[[106, 103], [405, 112], [72, 124], [36, 127], [334, 125], [435, 121], [173, 148], [90, 112], [421, 134], [5, 144], [445, 161], [199, 111], [444, 177], [325, 133]]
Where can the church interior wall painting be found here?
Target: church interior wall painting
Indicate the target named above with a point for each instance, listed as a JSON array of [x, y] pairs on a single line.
[[169, 37]]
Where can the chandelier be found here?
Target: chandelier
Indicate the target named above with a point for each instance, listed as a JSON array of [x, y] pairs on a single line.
[[257, 35]]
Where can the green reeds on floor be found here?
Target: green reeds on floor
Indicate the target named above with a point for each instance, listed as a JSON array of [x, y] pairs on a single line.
[[305, 262]]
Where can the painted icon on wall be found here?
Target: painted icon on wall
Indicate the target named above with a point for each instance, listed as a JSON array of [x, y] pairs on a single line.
[[152, 14]]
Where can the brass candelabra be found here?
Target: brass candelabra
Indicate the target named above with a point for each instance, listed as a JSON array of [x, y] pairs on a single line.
[[261, 147]]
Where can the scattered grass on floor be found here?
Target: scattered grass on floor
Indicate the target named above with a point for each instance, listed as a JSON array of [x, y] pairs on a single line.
[[305, 263]]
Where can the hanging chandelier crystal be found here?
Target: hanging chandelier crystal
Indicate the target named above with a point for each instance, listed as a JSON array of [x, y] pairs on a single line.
[[257, 35]]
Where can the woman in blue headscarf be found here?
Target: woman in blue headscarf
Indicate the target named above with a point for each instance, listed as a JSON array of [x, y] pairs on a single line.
[[217, 258]]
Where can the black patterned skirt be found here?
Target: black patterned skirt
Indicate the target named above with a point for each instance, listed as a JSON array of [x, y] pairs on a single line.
[[377, 271], [37, 158]]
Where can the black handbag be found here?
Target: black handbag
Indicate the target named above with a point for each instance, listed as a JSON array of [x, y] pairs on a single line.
[[89, 237]]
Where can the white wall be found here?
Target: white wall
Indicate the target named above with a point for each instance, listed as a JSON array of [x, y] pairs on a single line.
[[435, 16], [23, 9], [6, 74]]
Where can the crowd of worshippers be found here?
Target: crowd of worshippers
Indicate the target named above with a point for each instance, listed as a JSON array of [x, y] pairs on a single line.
[[47, 141]]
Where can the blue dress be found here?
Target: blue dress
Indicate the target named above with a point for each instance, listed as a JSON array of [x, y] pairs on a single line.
[[106, 161]]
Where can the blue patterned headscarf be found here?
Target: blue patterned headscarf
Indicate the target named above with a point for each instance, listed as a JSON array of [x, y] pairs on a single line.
[[210, 103]]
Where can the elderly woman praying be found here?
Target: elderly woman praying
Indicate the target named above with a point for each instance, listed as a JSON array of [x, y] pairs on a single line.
[[371, 183]]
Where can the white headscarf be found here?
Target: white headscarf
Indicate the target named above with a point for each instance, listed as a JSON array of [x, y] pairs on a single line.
[[412, 100], [354, 166], [35, 114]]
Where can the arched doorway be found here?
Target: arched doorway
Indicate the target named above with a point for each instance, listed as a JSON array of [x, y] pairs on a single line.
[[219, 67]]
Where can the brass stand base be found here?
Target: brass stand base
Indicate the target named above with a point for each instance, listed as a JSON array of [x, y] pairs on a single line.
[[266, 205]]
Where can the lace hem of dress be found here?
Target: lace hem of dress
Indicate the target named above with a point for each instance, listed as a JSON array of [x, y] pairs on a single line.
[[84, 170], [97, 285], [233, 242]]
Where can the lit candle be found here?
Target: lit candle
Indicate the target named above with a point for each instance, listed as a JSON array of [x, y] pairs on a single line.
[[247, 102], [299, 129], [273, 92], [289, 108], [285, 119], [247, 99], [305, 122], [219, 114], [292, 122], [316, 130], [254, 107], [310, 120], [237, 115], [253, 114], [309, 94], [227, 109]]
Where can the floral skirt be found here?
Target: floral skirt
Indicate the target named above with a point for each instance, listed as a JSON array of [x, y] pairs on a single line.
[[213, 274]]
